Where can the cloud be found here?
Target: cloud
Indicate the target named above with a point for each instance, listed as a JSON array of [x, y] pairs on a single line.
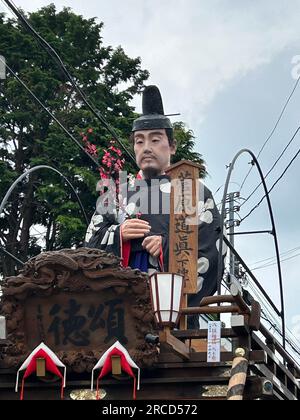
[[194, 49]]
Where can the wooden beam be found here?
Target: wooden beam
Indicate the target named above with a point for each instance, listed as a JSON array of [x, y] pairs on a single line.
[[255, 317], [211, 300], [244, 308], [256, 356], [202, 334], [177, 346], [183, 319], [211, 310]]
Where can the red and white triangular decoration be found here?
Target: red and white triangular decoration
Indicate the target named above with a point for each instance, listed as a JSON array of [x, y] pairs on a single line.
[[52, 364], [105, 365]]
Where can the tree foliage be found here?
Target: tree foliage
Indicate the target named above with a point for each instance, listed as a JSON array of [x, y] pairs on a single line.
[[186, 147], [29, 137]]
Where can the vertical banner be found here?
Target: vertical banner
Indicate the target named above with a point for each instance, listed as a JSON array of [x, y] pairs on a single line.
[[214, 342]]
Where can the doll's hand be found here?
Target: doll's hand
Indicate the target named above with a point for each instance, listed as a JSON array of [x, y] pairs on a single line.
[[134, 229], [152, 244]]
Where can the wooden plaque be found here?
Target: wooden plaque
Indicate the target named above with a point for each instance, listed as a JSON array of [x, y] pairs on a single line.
[[183, 256], [79, 303]]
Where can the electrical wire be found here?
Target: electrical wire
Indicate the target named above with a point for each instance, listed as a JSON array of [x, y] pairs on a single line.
[[270, 259], [50, 113], [274, 129], [274, 185], [62, 66], [273, 166], [221, 186], [289, 341], [269, 317], [24, 175], [272, 320], [274, 263]]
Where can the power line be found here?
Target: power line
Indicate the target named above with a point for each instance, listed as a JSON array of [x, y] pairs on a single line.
[[274, 165], [50, 113], [24, 175], [274, 263], [271, 319], [266, 309], [281, 255], [295, 340], [292, 341], [231, 182], [275, 183], [62, 66], [293, 346], [274, 231], [274, 129]]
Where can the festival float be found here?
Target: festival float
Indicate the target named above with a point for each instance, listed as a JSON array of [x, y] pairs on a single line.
[[75, 324]]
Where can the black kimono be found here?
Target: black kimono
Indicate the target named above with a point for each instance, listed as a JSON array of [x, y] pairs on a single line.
[[104, 233]]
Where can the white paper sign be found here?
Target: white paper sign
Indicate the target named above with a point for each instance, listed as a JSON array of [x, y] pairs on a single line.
[[2, 328], [2, 68], [214, 342]]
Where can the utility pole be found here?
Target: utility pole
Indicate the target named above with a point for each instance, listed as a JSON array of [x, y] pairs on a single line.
[[230, 225]]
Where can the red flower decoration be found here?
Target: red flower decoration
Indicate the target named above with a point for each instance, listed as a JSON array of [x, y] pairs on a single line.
[[111, 164]]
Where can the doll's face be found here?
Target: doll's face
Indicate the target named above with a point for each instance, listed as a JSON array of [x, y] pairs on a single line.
[[153, 151]]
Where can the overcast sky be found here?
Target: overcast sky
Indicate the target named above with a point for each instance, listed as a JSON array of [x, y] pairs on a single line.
[[226, 66]]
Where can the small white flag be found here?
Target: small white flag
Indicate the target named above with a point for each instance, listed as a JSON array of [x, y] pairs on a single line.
[[214, 342], [2, 68]]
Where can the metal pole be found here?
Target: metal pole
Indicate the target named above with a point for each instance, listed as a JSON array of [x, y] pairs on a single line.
[[5, 252], [231, 168], [231, 232], [251, 233]]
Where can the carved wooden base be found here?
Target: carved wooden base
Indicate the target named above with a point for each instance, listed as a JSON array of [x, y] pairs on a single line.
[[78, 302]]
